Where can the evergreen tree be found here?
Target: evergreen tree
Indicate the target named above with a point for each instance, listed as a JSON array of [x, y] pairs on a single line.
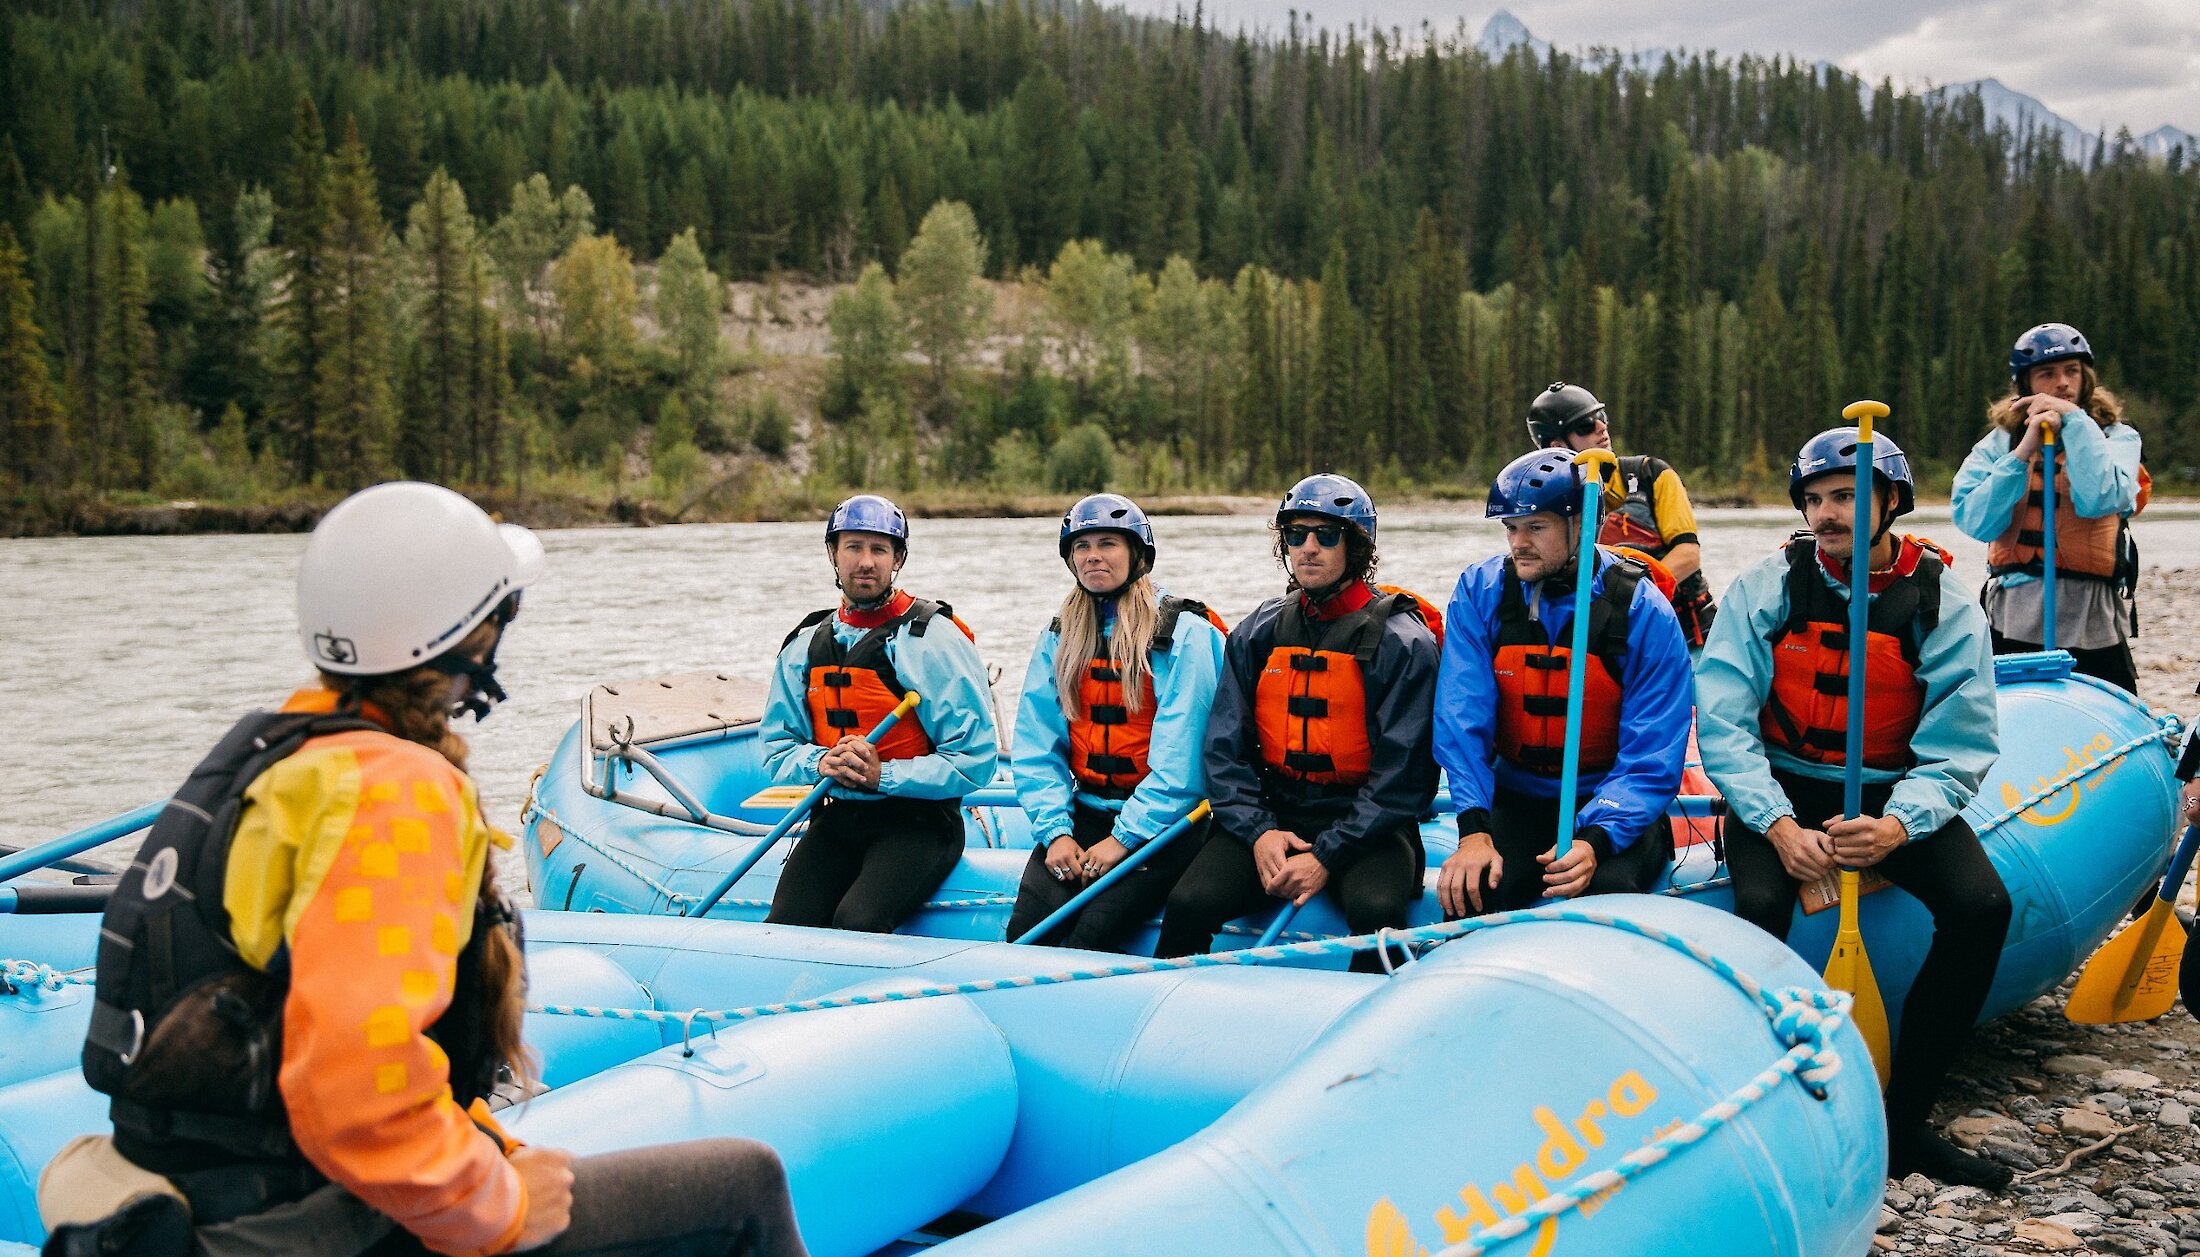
[[118, 435], [869, 338], [434, 437], [1048, 183], [357, 423], [30, 413], [1336, 418], [302, 222]]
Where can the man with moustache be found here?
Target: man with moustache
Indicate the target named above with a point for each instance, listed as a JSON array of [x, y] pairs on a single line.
[[1317, 754], [890, 829], [1772, 717], [1501, 708]]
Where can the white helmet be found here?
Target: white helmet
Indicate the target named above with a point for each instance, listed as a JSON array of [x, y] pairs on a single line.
[[397, 574]]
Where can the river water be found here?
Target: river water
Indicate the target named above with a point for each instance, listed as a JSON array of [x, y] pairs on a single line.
[[124, 659]]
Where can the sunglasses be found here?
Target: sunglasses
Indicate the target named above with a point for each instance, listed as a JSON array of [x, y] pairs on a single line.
[[1329, 535], [1586, 426]]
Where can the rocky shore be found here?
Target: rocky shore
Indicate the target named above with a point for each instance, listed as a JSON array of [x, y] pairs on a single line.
[[2097, 1121]]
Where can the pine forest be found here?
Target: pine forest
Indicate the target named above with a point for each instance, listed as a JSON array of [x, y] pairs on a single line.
[[729, 258]]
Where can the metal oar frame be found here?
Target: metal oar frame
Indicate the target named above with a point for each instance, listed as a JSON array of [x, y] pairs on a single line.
[[626, 749]]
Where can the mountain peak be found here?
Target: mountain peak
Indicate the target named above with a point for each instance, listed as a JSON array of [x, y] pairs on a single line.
[[1504, 32]]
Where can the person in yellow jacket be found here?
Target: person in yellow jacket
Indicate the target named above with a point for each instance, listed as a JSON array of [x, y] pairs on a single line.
[[309, 987]]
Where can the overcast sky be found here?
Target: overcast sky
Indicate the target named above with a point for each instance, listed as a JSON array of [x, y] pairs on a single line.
[[2109, 63]]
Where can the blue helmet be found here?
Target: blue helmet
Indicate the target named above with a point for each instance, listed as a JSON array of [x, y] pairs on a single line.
[[1108, 512], [1326, 493], [2049, 342], [1834, 450], [868, 512], [1542, 481]]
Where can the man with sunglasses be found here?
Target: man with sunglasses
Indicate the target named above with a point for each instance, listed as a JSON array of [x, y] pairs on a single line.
[[1656, 518], [1317, 756], [1502, 724]]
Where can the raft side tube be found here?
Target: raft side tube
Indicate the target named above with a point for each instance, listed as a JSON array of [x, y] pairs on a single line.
[[886, 1117], [1421, 1117]]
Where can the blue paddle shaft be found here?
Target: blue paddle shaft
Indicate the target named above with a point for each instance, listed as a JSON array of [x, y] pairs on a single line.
[[81, 841], [1110, 878], [1592, 496], [1275, 927], [2047, 543], [1860, 598], [779, 831], [2179, 865]]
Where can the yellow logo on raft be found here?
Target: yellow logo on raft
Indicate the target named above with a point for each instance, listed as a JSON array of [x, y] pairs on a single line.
[[1563, 1153], [2073, 760]]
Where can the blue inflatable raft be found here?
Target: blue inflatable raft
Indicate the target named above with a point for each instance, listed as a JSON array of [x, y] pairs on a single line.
[[1637, 1074], [1661, 1081], [2078, 816]]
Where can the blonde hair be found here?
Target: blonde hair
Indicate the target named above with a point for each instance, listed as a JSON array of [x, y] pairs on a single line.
[[1137, 616], [2093, 399]]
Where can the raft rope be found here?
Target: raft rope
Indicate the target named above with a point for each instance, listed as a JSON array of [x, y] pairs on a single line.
[[2166, 727], [17, 974], [1805, 1019]]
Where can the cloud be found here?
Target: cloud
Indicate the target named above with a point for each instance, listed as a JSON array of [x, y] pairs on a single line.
[[2099, 63]]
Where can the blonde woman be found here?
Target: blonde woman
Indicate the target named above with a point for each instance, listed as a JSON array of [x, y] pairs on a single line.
[[1110, 730]]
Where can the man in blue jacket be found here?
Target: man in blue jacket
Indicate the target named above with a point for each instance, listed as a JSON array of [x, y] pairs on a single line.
[[1501, 726], [1318, 743], [890, 830], [1772, 720]]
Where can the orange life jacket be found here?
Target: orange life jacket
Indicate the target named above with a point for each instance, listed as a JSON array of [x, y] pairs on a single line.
[[1532, 677], [2088, 549], [1807, 712], [1109, 739], [1311, 703], [851, 689], [1429, 614]]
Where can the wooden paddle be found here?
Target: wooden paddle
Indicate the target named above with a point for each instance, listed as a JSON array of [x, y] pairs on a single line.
[[2135, 975], [1849, 968]]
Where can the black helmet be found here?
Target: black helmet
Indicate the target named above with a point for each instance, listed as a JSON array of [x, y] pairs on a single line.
[[1557, 406]]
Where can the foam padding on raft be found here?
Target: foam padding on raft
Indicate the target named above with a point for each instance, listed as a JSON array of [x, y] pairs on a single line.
[[886, 1117], [1508, 1062]]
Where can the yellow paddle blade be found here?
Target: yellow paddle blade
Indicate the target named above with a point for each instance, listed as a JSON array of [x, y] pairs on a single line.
[[2134, 975], [781, 797], [1849, 969]]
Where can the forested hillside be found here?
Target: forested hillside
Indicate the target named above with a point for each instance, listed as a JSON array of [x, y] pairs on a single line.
[[262, 246]]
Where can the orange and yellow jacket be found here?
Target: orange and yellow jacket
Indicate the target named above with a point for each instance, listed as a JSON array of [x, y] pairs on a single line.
[[361, 857]]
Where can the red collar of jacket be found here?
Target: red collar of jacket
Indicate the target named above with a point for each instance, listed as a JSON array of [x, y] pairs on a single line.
[[1340, 604], [856, 617], [1908, 553]]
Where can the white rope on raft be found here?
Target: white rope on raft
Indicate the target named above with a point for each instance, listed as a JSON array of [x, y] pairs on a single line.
[[1804, 1019]]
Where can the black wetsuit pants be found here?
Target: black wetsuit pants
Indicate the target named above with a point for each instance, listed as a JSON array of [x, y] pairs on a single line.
[[704, 1198], [1523, 827], [1115, 913], [1375, 887], [2112, 664], [1949, 873], [868, 864]]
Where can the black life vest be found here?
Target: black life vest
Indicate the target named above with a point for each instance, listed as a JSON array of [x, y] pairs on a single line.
[[1532, 676], [185, 1036], [1634, 523]]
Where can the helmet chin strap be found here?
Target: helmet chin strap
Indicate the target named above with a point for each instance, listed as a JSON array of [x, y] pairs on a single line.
[[482, 691]]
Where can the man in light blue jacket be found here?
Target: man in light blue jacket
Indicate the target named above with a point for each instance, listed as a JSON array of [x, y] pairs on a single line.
[[890, 829], [1771, 723]]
